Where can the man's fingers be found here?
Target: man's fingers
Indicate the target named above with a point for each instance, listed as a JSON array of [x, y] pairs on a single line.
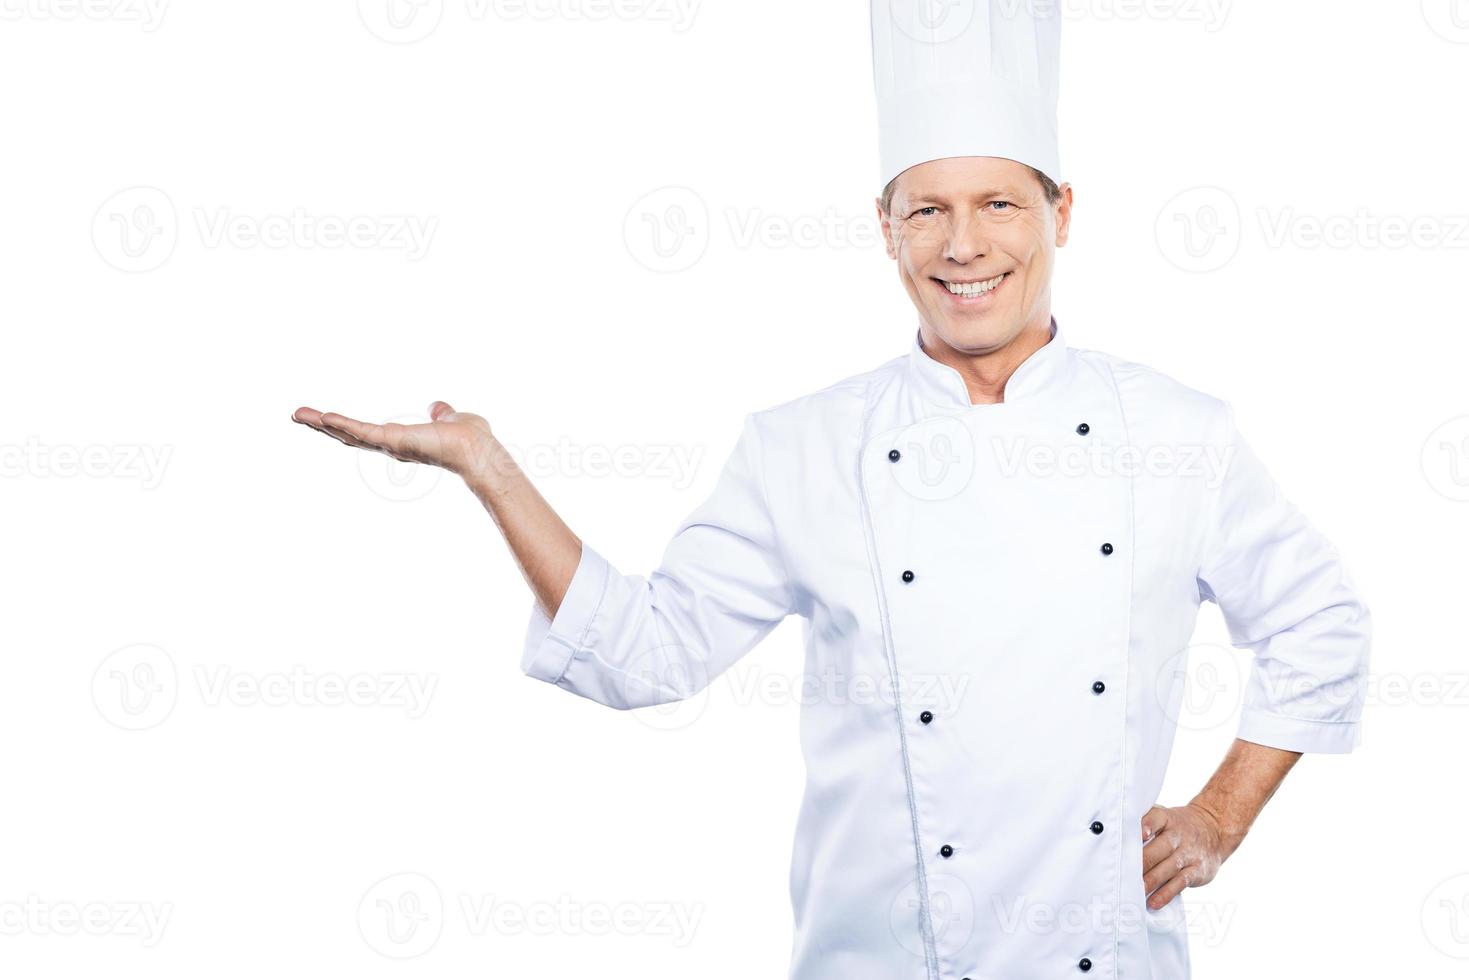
[[439, 410], [1155, 852], [329, 423], [347, 439], [1153, 821], [409, 443], [1168, 892], [1162, 869], [381, 436]]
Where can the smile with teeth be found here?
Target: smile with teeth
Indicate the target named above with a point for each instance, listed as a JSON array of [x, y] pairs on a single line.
[[969, 290]]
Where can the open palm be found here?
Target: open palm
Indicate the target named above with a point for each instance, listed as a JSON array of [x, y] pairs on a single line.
[[453, 440]]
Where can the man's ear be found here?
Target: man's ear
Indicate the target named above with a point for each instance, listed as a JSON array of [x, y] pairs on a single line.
[[884, 220], [1063, 216]]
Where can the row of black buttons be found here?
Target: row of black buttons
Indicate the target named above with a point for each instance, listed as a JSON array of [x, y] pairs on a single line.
[[908, 575], [1081, 430], [1096, 827], [926, 716], [947, 850]]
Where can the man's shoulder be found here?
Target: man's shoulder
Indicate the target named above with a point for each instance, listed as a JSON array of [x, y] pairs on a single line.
[[839, 401], [1147, 391]]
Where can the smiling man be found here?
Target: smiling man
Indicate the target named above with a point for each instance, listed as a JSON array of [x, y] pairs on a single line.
[[1007, 537], [975, 239]]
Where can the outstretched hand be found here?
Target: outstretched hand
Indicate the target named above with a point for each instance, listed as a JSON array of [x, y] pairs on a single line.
[[456, 441]]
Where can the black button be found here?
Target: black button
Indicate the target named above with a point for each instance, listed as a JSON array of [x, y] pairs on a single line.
[[926, 717], [1098, 687], [907, 576], [1106, 547], [894, 455], [1096, 826], [947, 850], [1084, 965], [1083, 429]]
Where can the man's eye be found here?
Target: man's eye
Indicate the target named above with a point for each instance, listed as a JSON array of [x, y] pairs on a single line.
[[1001, 205], [927, 212]]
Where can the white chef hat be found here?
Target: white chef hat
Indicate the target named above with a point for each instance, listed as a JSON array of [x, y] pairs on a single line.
[[958, 78]]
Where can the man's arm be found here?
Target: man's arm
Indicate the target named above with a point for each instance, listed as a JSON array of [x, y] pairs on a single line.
[[622, 640], [544, 547], [1184, 846], [1287, 598]]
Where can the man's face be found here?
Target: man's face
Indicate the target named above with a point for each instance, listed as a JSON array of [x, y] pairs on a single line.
[[975, 240]]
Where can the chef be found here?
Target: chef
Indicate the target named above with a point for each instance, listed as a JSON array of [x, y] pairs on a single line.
[[1008, 536]]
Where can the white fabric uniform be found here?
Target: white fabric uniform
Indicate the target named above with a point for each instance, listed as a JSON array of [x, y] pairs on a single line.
[[981, 817]]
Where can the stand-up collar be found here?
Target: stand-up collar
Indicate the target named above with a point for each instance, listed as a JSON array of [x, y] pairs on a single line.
[[943, 385]]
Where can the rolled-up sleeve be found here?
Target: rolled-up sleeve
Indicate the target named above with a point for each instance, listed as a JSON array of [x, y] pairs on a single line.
[[1287, 598], [631, 641]]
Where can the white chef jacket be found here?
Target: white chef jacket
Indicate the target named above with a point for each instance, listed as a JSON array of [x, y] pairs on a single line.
[[1021, 580]]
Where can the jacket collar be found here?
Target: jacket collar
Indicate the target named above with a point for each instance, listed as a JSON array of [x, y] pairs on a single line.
[[942, 385]]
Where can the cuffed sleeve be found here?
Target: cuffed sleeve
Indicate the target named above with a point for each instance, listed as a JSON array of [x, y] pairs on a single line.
[[631, 641], [1288, 599], [549, 644]]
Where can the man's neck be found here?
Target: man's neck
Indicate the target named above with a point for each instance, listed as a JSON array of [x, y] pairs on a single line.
[[986, 374]]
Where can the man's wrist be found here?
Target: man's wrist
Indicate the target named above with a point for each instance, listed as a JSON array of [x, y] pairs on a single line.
[[1232, 827], [490, 467]]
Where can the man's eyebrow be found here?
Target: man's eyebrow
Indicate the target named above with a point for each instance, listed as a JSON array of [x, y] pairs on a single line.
[[986, 193]]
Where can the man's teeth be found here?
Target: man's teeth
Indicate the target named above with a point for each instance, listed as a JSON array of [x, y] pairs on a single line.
[[974, 288]]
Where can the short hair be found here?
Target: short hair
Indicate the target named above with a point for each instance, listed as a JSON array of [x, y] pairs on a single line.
[[1049, 186]]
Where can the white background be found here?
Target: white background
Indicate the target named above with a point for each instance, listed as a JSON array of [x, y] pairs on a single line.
[[161, 512]]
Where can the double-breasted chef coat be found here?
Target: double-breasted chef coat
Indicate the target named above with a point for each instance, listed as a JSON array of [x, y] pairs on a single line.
[[1022, 580]]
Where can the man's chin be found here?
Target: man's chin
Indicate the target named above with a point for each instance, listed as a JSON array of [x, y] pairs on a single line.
[[977, 334]]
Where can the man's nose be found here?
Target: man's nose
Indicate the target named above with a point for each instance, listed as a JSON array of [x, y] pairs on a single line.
[[968, 240]]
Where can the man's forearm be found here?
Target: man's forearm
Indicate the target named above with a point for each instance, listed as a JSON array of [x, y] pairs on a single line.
[[1246, 779], [544, 547]]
